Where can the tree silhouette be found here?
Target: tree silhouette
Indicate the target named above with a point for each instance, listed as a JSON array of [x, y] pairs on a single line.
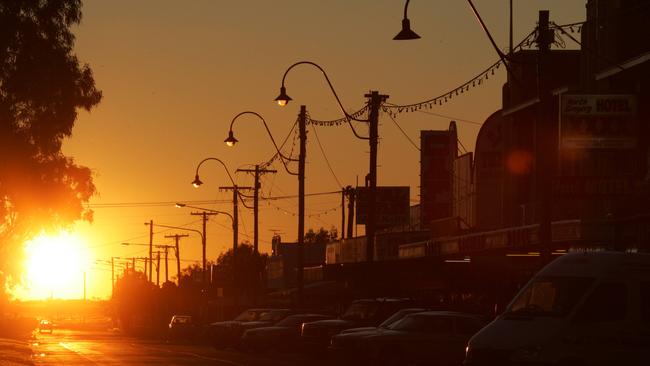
[[42, 87], [322, 236], [134, 299], [249, 267]]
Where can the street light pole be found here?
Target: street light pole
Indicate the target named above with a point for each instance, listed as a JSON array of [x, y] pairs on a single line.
[[186, 229], [150, 248], [177, 238], [375, 102], [235, 217], [231, 141], [257, 173], [302, 128]]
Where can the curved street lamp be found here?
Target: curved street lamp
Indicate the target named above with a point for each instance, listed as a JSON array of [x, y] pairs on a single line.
[[235, 196], [283, 99], [231, 141], [197, 181], [406, 33], [375, 100]]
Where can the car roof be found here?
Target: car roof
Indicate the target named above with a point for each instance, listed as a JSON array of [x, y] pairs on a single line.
[[456, 314], [598, 264]]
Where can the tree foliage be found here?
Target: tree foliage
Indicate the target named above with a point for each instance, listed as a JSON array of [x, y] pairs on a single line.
[[42, 88], [322, 236], [247, 270], [134, 297]]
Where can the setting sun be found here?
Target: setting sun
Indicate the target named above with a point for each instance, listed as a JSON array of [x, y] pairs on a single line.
[[54, 267]]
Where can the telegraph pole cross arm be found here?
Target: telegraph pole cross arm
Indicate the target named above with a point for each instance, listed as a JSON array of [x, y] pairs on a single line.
[[177, 238], [257, 172]]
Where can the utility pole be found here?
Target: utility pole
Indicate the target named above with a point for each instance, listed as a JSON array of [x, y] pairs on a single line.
[[544, 131], [302, 128], [166, 247], [342, 213], [257, 171], [177, 238], [351, 193], [84, 286], [204, 216], [235, 223], [375, 102], [112, 276], [158, 268], [235, 212], [150, 247]]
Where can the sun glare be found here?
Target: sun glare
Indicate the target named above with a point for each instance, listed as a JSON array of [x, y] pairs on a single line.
[[54, 267]]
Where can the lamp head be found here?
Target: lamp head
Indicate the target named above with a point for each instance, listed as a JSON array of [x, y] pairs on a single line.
[[231, 140], [406, 33], [179, 205], [197, 182], [283, 99]]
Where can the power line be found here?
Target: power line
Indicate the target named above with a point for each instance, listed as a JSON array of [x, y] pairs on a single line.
[[451, 118], [404, 132], [329, 166]]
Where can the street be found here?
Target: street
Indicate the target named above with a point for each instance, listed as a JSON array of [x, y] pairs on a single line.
[[67, 347]]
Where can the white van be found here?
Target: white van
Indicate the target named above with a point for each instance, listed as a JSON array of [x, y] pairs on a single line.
[[581, 309]]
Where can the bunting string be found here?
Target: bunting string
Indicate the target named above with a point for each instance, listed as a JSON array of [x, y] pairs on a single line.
[[394, 109], [338, 122]]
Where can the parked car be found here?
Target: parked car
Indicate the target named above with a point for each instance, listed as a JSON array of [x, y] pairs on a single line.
[[430, 337], [581, 309], [361, 313], [181, 328], [45, 326], [344, 344], [228, 333], [283, 336]]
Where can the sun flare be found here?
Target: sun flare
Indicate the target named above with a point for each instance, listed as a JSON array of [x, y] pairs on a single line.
[[54, 267]]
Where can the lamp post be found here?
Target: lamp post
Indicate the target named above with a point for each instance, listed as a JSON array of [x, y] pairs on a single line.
[[205, 212], [235, 217], [374, 101], [235, 214], [231, 141]]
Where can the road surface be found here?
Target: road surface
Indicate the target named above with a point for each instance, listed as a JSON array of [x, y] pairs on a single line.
[[67, 347]]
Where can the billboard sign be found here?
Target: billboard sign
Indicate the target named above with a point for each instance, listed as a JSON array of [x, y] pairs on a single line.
[[594, 121], [392, 206]]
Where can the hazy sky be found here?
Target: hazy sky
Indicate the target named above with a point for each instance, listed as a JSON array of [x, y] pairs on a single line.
[[174, 73]]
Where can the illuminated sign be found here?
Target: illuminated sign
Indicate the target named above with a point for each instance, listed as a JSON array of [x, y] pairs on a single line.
[[598, 122]]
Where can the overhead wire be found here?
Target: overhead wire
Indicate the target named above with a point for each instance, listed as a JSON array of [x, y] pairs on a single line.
[[403, 132], [329, 166]]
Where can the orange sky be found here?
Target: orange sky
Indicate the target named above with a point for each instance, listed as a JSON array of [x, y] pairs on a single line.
[[174, 74]]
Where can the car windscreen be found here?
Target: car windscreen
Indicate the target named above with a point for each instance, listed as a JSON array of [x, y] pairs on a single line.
[[248, 316], [361, 311], [294, 321], [397, 316], [552, 296], [423, 324], [273, 315]]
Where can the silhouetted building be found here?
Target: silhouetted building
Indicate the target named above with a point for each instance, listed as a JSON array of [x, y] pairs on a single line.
[[438, 150], [282, 264], [599, 126]]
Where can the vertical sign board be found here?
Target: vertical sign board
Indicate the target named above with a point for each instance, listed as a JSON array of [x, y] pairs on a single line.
[[598, 121], [436, 159], [392, 206]]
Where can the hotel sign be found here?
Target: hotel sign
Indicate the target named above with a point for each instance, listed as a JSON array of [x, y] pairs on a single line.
[[593, 121]]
